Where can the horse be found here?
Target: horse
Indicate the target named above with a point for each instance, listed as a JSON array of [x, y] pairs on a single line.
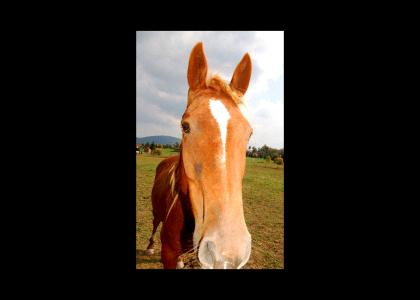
[[197, 195]]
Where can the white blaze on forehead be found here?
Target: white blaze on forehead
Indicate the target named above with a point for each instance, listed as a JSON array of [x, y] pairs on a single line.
[[222, 116]]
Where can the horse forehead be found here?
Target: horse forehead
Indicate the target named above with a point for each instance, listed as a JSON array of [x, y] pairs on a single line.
[[219, 110], [214, 108]]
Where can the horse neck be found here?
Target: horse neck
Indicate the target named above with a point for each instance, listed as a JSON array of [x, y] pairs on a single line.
[[184, 197], [181, 182]]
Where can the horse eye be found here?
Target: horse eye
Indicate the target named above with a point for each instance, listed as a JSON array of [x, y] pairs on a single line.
[[185, 127]]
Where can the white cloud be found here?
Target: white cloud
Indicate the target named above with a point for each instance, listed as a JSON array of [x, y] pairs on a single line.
[[267, 54], [265, 95], [155, 121], [266, 118]]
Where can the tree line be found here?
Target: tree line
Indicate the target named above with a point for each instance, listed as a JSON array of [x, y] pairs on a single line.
[[265, 152], [268, 153], [155, 149]]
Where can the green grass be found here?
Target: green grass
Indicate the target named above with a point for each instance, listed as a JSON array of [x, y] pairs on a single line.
[[263, 196], [166, 152]]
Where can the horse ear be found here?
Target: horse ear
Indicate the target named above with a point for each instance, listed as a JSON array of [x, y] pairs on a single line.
[[197, 68], [242, 75]]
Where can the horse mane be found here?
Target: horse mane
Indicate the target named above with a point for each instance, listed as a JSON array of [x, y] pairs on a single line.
[[217, 83], [173, 173], [177, 183]]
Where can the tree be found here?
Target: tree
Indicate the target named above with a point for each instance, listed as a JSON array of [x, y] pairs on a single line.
[[253, 152], [278, 160], [273, 153], [264, 151], [176, 146]]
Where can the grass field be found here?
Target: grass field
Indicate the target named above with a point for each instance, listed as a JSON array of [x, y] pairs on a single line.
[[263, 194]]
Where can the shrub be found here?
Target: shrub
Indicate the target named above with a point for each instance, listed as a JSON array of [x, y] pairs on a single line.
[[278, 160], [157, 152]]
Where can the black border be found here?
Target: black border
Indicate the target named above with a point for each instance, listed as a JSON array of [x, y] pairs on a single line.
[[76, 128], [92, 110]]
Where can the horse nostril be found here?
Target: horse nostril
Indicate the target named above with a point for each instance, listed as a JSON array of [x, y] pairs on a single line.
[[207, 254]]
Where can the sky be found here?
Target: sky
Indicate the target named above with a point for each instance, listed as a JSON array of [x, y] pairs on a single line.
[[162, 86]]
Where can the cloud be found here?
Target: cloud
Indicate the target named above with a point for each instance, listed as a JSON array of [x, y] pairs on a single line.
[[156, 122], [267, 122], [162, 62], [268, 55]]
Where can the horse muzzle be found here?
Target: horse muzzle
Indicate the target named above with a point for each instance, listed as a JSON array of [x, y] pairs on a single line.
[[212, 256]]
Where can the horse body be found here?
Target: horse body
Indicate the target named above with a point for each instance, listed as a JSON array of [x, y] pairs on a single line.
[[171, 205], [198, 194]]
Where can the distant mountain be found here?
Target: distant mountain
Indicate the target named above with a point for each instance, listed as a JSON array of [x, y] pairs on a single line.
[[158, 139]]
